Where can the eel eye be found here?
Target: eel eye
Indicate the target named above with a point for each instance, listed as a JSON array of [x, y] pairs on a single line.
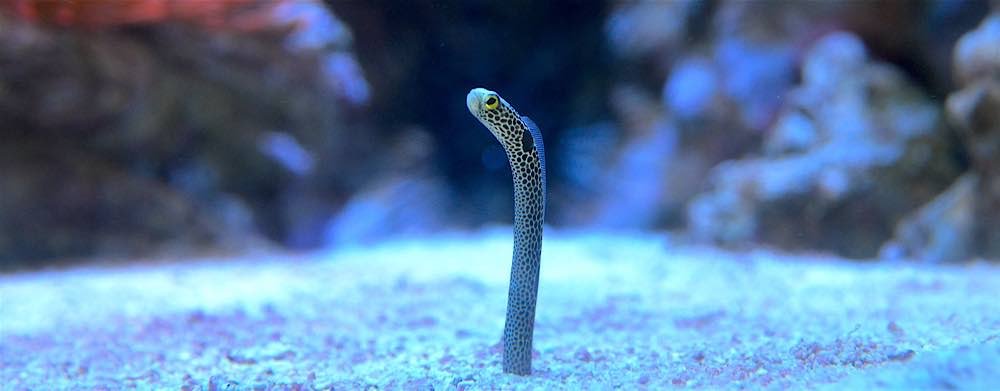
[[492, 103]]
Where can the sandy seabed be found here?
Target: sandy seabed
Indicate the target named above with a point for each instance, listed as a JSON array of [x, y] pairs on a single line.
[[614, 311]]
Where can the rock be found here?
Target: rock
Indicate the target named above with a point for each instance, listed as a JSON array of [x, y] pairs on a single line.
[[943, 230], [693, 87], [726, 71], [642, 28], [59, 203], [976, 55], [974, 110], [847, 138], [225, 114], [410, 200]]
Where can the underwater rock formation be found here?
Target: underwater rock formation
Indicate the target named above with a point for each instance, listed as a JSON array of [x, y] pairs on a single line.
[[409, 199], [975, 111], [962, 221], [212, 106], [665, 143], [854, 147], [729, 71], [96, 208], [630, 186], [943, 230], [257, 117]]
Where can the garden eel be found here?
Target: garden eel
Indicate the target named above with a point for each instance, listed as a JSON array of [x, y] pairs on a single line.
[[522, 141]]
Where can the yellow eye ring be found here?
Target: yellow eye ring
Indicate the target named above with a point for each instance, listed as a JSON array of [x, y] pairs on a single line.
[[492, 102]]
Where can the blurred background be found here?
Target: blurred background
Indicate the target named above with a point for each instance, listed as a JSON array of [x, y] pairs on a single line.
[[160, 128]]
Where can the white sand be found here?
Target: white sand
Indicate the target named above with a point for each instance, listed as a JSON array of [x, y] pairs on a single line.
[[614, 311]]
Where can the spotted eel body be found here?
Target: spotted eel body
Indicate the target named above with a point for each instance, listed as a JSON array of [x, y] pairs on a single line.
[[522, 141]]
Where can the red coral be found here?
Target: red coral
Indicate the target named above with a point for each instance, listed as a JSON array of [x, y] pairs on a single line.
[[240, 15]]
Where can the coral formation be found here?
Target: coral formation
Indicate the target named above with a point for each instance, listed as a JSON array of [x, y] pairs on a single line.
[[823, 144], [851, 134], [273, 122], [202, 104], [961, 222]]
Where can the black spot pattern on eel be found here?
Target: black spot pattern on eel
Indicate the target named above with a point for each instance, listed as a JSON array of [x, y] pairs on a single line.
[[529, 212]]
